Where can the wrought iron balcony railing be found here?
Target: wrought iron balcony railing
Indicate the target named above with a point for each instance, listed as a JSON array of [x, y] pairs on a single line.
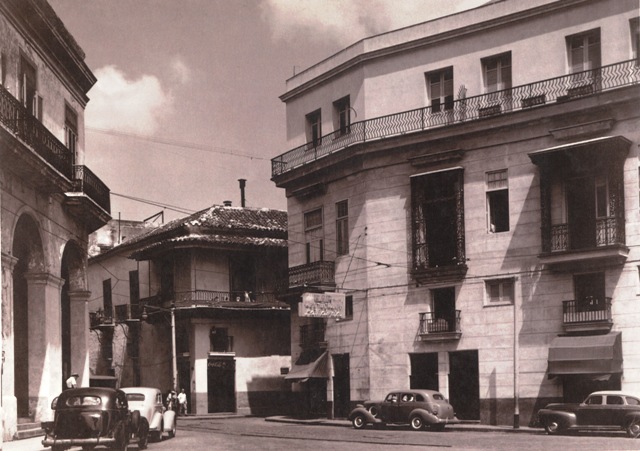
[[607, 232], [85, 181], [320, 273], [590, 311], [553, 90], [18, 120], [211, 298], [312, 335], [430, 324]]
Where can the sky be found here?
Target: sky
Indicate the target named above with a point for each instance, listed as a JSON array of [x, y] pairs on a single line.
[[187, 97]]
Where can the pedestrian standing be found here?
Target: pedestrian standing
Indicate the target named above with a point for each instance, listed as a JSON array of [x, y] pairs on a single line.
[[182, 402]]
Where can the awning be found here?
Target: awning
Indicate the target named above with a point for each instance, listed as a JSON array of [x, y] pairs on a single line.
[[594, 354], [317, 368], [596, 151]]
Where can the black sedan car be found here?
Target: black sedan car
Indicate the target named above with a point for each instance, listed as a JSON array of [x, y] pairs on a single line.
[[418, 408], [603, 410], [91, 417]]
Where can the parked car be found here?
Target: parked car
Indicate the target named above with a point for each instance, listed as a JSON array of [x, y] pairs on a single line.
[[148, 401], [418, 408], [601, 410], [89, 417]]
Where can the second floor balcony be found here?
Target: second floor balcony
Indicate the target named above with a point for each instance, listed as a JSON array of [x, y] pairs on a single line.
[[319, 276], [239, 299], [464, 109], [433, 328], [592, 314]]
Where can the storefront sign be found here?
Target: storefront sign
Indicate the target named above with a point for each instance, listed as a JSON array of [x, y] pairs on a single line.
[[322, 305]]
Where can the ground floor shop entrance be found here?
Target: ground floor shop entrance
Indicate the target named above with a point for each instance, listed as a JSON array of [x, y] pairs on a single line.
[[221, 385], [341, 386], [464, 385]]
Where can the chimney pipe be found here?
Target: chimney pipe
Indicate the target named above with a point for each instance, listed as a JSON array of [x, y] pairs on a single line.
[[243, 183], [226, 203]]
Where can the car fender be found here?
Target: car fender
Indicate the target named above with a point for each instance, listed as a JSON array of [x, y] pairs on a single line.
[[361, 410], [568, 419], [426, 416], [155, 421], [169, 417], [631, 416]]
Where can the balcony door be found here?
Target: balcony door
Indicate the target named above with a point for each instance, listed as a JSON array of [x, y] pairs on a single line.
[[589, 292], [581, 203], [444, 307]]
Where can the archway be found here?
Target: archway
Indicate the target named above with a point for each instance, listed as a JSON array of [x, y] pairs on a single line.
[[73, 276], [27, 249]]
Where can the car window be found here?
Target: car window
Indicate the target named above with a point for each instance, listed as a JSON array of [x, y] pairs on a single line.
[[392, 397], [419, 398], [614, 400], [135, 397], [121, 401], [407, 397], [633, 401], [76, 401], [438, 397], [594, 400], [159, 398]]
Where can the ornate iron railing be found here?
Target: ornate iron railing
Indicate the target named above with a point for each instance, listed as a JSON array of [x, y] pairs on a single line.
[[429, 324], [316, 273], [591, 310], [608, 231], [85, 181], [553, 90], [210, 298], [18, 120], [311, 335]]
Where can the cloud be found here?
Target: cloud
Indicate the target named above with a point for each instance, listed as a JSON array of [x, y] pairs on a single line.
[[118, 103], [180, 70], [346, 22]]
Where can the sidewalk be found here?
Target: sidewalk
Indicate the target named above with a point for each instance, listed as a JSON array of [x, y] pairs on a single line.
[[464, 426]]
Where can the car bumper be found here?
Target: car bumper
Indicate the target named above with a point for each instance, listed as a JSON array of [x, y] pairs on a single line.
[[48, 441]]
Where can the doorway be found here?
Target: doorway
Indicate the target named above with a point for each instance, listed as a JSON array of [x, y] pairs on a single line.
[[341, 386], [424, 371], [464, 385], [221, 385]]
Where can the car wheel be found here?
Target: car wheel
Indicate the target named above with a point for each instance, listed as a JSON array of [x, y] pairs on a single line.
[[553, 426], [135, 420], [416, 422], [143, 433], [172, 432], [359, 421], [120, 434], [633, 428], [373, 410]]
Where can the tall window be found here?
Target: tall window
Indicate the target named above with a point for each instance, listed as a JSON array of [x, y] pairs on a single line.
[[589, 292], [497, 74], [438, 219], [28, 89], [3, 69], [497, 201], [107, 301], [584, 55], [342, 227], [443, 308], [342, 115], [314, 128], [635, 38], [314, 238], [71, 132], [440, 86]]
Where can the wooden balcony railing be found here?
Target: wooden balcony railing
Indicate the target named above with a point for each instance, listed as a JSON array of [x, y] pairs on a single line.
[[552, 90], [592, 310], [312, 335], [85, 181], [430, 324], [320, 273]]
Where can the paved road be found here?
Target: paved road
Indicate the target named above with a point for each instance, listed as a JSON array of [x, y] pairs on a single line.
[[239, 434]]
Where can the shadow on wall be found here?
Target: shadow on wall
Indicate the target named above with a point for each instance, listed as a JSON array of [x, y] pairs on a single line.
[[260, 402]]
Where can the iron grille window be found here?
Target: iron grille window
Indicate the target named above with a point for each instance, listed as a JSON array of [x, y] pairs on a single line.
[[498, 201], [438, 219], [342, 227]]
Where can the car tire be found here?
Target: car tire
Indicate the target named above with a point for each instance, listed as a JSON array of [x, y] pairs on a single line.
[[120, 434], [135, 420], [172, 432], [633, 428], [157, 436], [359, 421], [553, 426], [416, 422], [143, 433]]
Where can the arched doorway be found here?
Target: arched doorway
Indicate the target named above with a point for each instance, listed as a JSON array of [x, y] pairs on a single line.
[[72, 274], [27, 249]]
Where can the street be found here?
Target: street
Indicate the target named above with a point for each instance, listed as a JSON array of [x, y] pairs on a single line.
[[256, 433]]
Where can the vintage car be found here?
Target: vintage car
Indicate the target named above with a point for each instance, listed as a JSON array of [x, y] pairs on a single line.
[[90, 417], [601, 410], [148, 401], [418, 408]]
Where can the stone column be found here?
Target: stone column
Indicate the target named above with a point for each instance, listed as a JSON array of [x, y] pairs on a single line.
[[443, 373], [45, 350], [79, 323], [9, 409]]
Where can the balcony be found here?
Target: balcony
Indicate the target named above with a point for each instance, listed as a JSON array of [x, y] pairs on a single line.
[[312, 335], [237, 300], [439, 329], [318, 276], [127, 313], [593, 315], [101, 319], [37, 155], [523, 97]]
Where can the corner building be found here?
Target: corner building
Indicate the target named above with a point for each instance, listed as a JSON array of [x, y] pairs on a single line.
[[471, 184], [49, 203]]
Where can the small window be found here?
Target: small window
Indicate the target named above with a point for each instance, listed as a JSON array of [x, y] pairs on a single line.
[[594, 400], [614, 400], [313, 219], [314, 128], [342, 227], [497, 201], [499, 291], [342, 116], [497, 72], [633, 401]]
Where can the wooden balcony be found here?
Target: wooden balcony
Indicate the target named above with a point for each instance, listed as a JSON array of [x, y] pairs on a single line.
[[439, 329], [318, 276], [592, 315], [89, 199], [241, 299]]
